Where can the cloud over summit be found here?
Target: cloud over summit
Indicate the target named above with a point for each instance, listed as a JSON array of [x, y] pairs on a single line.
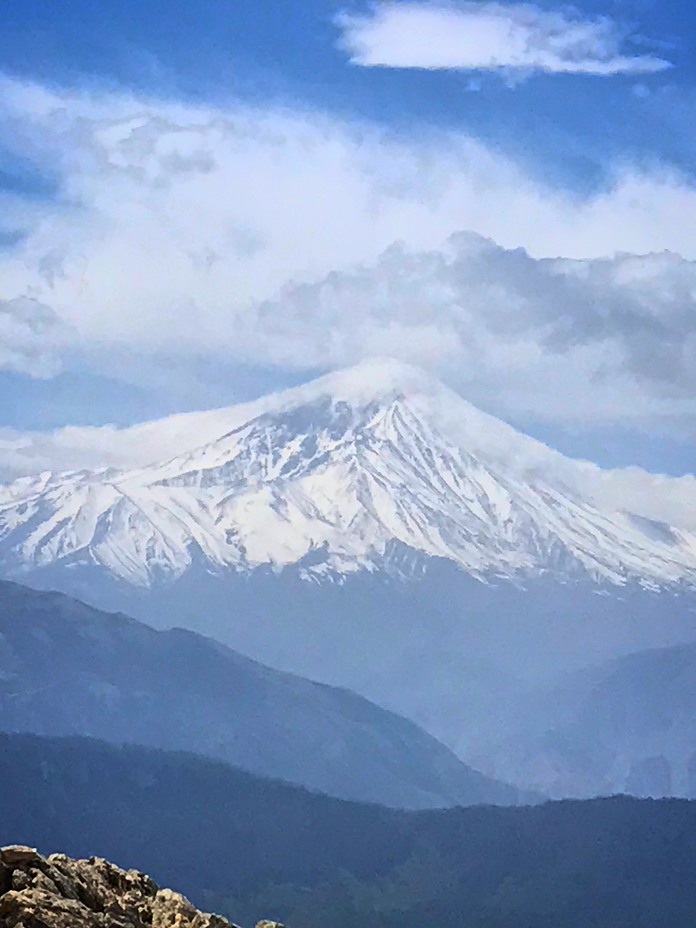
[[606, 332]]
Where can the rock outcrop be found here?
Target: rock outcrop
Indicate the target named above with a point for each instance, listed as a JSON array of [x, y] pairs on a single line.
[[58, 892]]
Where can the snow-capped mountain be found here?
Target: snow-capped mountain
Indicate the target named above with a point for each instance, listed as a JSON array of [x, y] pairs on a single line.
[[336, 477], [375, 468]]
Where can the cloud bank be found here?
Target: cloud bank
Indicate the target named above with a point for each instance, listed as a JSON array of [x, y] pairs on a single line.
[[265, 236], [575, 340], [517, 38]]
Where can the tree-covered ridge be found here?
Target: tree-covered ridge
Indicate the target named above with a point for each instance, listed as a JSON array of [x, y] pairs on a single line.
[[255, 847]]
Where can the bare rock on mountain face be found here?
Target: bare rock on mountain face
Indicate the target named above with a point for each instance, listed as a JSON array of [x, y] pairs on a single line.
[[57, 892]]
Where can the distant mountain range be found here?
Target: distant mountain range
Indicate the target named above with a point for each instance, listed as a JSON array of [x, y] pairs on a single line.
[[252, 848], [68, 669], [628, 726]]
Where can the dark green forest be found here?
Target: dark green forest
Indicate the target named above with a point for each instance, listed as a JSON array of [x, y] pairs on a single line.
[[251, 847]]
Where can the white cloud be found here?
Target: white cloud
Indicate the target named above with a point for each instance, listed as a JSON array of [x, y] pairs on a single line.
[[180, 229], [96, 447], [516, 38]]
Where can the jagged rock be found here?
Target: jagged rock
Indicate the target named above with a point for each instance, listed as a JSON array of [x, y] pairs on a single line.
[[17, 854], [58, 892], [266, 924]]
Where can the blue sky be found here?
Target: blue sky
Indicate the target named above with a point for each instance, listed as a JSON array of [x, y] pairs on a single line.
[[591, 154], [287, 51]]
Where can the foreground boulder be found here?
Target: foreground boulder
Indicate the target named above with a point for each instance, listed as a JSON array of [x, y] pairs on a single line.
[[57, 892]]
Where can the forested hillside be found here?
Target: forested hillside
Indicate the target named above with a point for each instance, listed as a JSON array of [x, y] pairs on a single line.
[[253, 847]]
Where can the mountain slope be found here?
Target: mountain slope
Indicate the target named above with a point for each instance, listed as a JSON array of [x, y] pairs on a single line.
[[68, 669], [378, 468], [254, 848], [625, 726]]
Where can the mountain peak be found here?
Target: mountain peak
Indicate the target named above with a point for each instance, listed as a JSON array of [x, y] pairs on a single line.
[[375, 378]]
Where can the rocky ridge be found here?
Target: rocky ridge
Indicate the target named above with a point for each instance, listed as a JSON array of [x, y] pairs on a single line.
[[58, 892]]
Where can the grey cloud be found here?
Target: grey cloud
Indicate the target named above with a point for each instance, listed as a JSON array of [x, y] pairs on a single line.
[[478, 296], [31, 337], [645, 305]]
